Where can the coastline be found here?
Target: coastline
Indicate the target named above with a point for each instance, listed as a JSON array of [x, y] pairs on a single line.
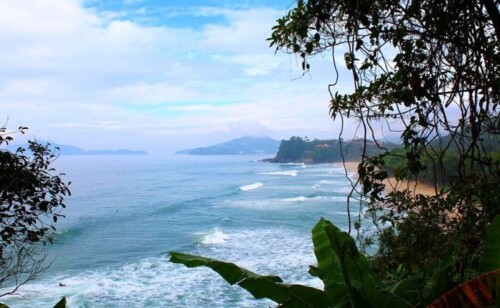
[[391, 184]]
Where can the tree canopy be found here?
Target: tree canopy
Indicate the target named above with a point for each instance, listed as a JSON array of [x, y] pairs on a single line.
[[303, 150], [31, 197], [429, 70]]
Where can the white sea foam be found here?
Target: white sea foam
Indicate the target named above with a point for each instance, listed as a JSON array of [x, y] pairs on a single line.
[[215, 237], [326, 182], [156, 282], [152, 282], [293, 164], [296, 199], [303, 199], [287, 173], [251, 186]]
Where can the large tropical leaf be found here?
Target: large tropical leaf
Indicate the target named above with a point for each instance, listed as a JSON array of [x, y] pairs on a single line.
[[271, 287], [410, 289], [439, 279], [491, 256], [353, 264], [481, 291], [345, 272], [61, 303], [328, 268], [339, 261]]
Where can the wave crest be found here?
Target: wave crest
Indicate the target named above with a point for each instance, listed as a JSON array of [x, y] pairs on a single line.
[[215, 237], [251, 186], [288, 173], [296, 199]]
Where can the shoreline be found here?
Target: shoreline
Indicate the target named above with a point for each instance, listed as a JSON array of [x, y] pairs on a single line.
[[391, 184]]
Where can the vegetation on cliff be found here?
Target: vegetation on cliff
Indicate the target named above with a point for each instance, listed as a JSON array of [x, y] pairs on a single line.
[[303, 150]]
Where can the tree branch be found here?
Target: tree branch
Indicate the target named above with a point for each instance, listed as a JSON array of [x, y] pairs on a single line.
[[494, 13]]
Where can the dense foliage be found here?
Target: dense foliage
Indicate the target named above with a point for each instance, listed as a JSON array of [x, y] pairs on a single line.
[[395, 161], [31, 197], [431, 70]]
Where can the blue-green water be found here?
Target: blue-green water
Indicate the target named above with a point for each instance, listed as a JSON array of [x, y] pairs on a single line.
[[127, 212]]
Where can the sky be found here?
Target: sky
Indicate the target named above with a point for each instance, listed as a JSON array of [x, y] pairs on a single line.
[[156, 75]]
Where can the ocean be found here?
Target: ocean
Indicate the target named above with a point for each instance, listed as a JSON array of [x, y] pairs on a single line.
[[126, 213]]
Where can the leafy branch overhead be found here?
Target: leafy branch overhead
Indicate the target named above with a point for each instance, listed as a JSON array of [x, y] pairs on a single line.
[[430, 72], [417, 62]]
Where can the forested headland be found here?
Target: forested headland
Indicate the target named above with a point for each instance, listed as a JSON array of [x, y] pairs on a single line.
[[303, 150], [434, 170]]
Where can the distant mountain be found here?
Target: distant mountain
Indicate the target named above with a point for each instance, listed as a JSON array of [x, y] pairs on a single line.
[[65, 149], [243, 145]]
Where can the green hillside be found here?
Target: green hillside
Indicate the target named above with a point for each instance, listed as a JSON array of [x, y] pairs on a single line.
[[303, 150]]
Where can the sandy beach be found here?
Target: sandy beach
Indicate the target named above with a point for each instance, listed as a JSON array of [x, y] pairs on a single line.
[[391, 184]]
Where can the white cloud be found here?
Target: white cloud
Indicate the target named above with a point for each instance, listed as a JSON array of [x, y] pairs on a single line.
[[129, 2], [143, 93], [254, 65], [71, 73]]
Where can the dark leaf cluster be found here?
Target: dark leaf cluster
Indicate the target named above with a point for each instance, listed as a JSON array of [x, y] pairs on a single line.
[[32, 196], [429, 70]]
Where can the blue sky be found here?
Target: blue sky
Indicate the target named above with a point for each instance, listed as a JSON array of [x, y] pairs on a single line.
[[155, 75]]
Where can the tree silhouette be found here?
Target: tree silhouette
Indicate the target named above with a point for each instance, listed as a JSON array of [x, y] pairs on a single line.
[[31, 197], [429, 70]]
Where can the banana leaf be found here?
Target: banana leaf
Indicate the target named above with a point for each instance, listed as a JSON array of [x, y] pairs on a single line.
[[271, 287]]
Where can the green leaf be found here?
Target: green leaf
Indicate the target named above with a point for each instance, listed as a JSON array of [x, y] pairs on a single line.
[[407, 289], [333, 248], [491, 256], [3, 306], [328, 268], [345, 272], [270, 287], [305, 296], [365, 66], [309, 47], [439, 279], [61, 303]]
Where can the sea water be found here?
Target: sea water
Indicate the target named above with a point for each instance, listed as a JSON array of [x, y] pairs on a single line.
[[126, 213]]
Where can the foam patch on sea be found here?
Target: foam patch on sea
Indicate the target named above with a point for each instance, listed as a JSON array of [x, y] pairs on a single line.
[[155, 282], [251, 186]]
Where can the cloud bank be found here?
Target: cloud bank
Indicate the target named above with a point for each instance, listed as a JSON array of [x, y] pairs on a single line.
[[77, 73]]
